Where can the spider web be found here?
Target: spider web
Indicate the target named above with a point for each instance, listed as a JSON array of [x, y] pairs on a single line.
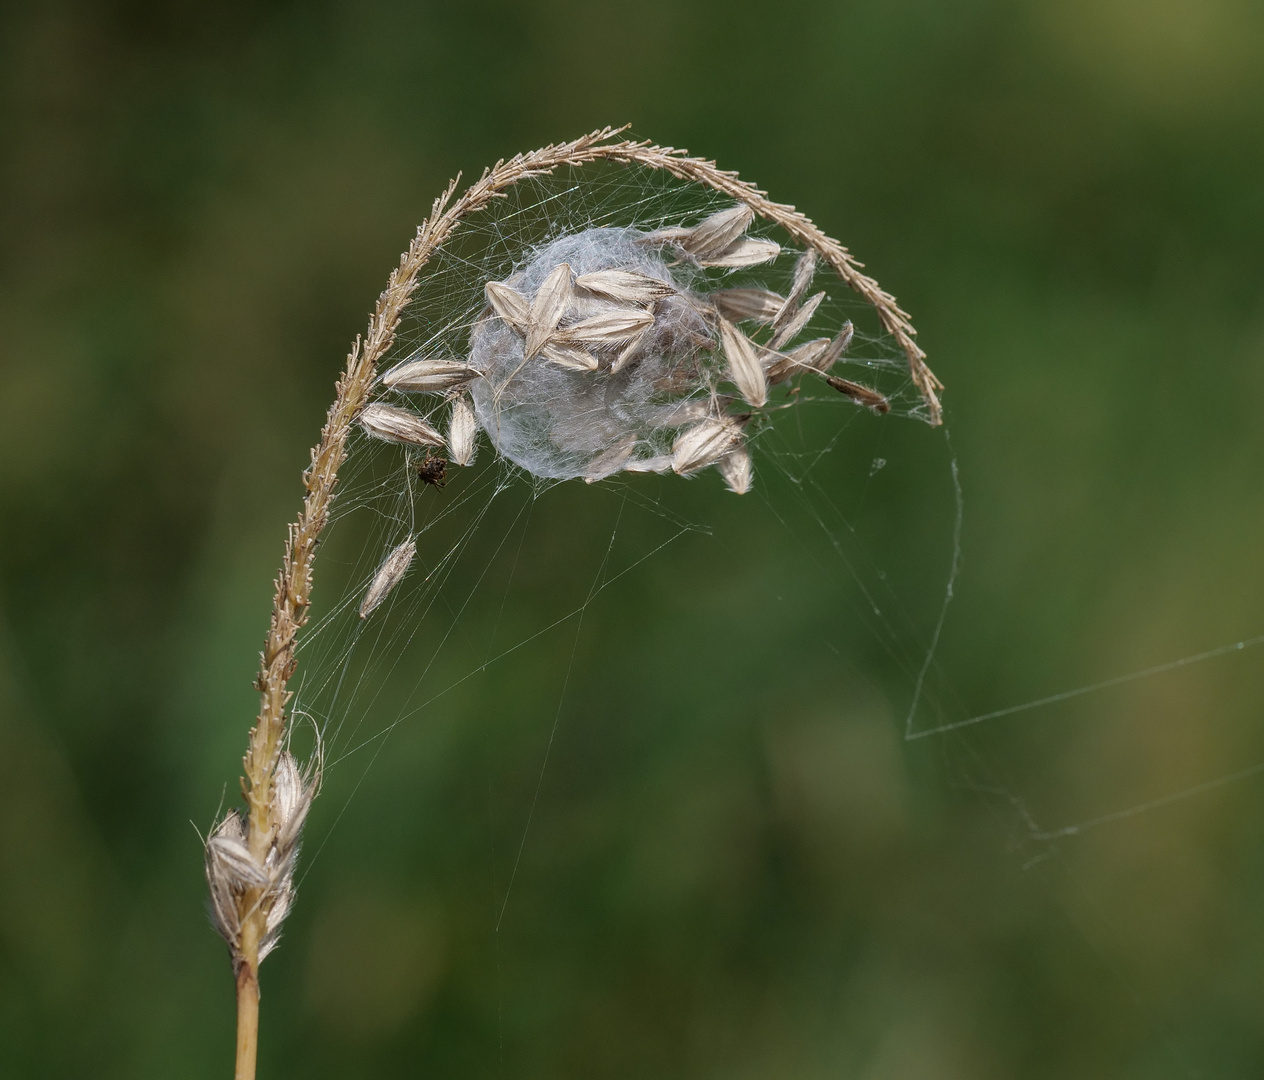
[[519, 584], [346, 664]]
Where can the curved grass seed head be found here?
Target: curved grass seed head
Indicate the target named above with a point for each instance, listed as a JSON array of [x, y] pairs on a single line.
[[604, 350]]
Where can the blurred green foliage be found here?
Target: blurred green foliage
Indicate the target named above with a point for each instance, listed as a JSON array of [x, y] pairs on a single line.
[[736, 866]]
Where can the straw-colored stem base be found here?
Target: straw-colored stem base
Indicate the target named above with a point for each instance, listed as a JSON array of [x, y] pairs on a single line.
[[247, 1022]]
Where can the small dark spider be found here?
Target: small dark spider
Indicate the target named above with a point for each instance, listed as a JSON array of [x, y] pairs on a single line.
[[433, 471]]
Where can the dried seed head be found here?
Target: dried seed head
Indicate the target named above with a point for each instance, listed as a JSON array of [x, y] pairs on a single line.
[[609, 328], [571, 357], [509, 304], [660, 464], [861, 395], [801, 358], [803, 271], [703, 444], [462, 432], [546, 309], [683, 413], [793, 326], [837, 346], [388, 575], [239, 882], [754, 305], [393, 424], [292, 798], [627, 353], [230, 870], [428, 376], [624, 286], [736, 468], [746, 252], [714, 235], [744, 369], [673, 234]]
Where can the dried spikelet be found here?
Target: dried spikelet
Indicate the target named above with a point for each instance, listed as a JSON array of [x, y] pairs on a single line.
[[624, 286], [509, 304], [745, 370], [714, 235], [793, 326], [861, 395], [607, 328], [660, 464], [819, 354], [837, 346], [803, 271], [429, 376], [393, 424], [547, 307], [293, 798], [673, 234], [241, 883], [572, 357], [703, 444], [626, 353], [803, 357], [227, 847], [611, 460], [736, 468], [462, 432], [686, 412], [754, 305], [388, 575], [224, 874], [747, 252]]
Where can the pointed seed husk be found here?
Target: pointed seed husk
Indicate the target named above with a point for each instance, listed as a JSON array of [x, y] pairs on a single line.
[[803, 357], [746, 252], [626, 353], [673, 234], [745, 370], [429, 376], [388, 575], [292, 795], [607, 328], [681, 413], [756, 305], [509, 304], [803, 271], [837, 346], [572, 357], [462, 432], [716, 234], [660, 464], [397, 425], [793, 326], [624, 286], [547, 308], [704, 443], [735, 467], [861, 395]]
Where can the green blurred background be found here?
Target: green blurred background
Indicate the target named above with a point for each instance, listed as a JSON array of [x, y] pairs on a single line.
[[736, 865]]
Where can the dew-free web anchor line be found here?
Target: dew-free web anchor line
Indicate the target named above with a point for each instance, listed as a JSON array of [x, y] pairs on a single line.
[[1079, 691]]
